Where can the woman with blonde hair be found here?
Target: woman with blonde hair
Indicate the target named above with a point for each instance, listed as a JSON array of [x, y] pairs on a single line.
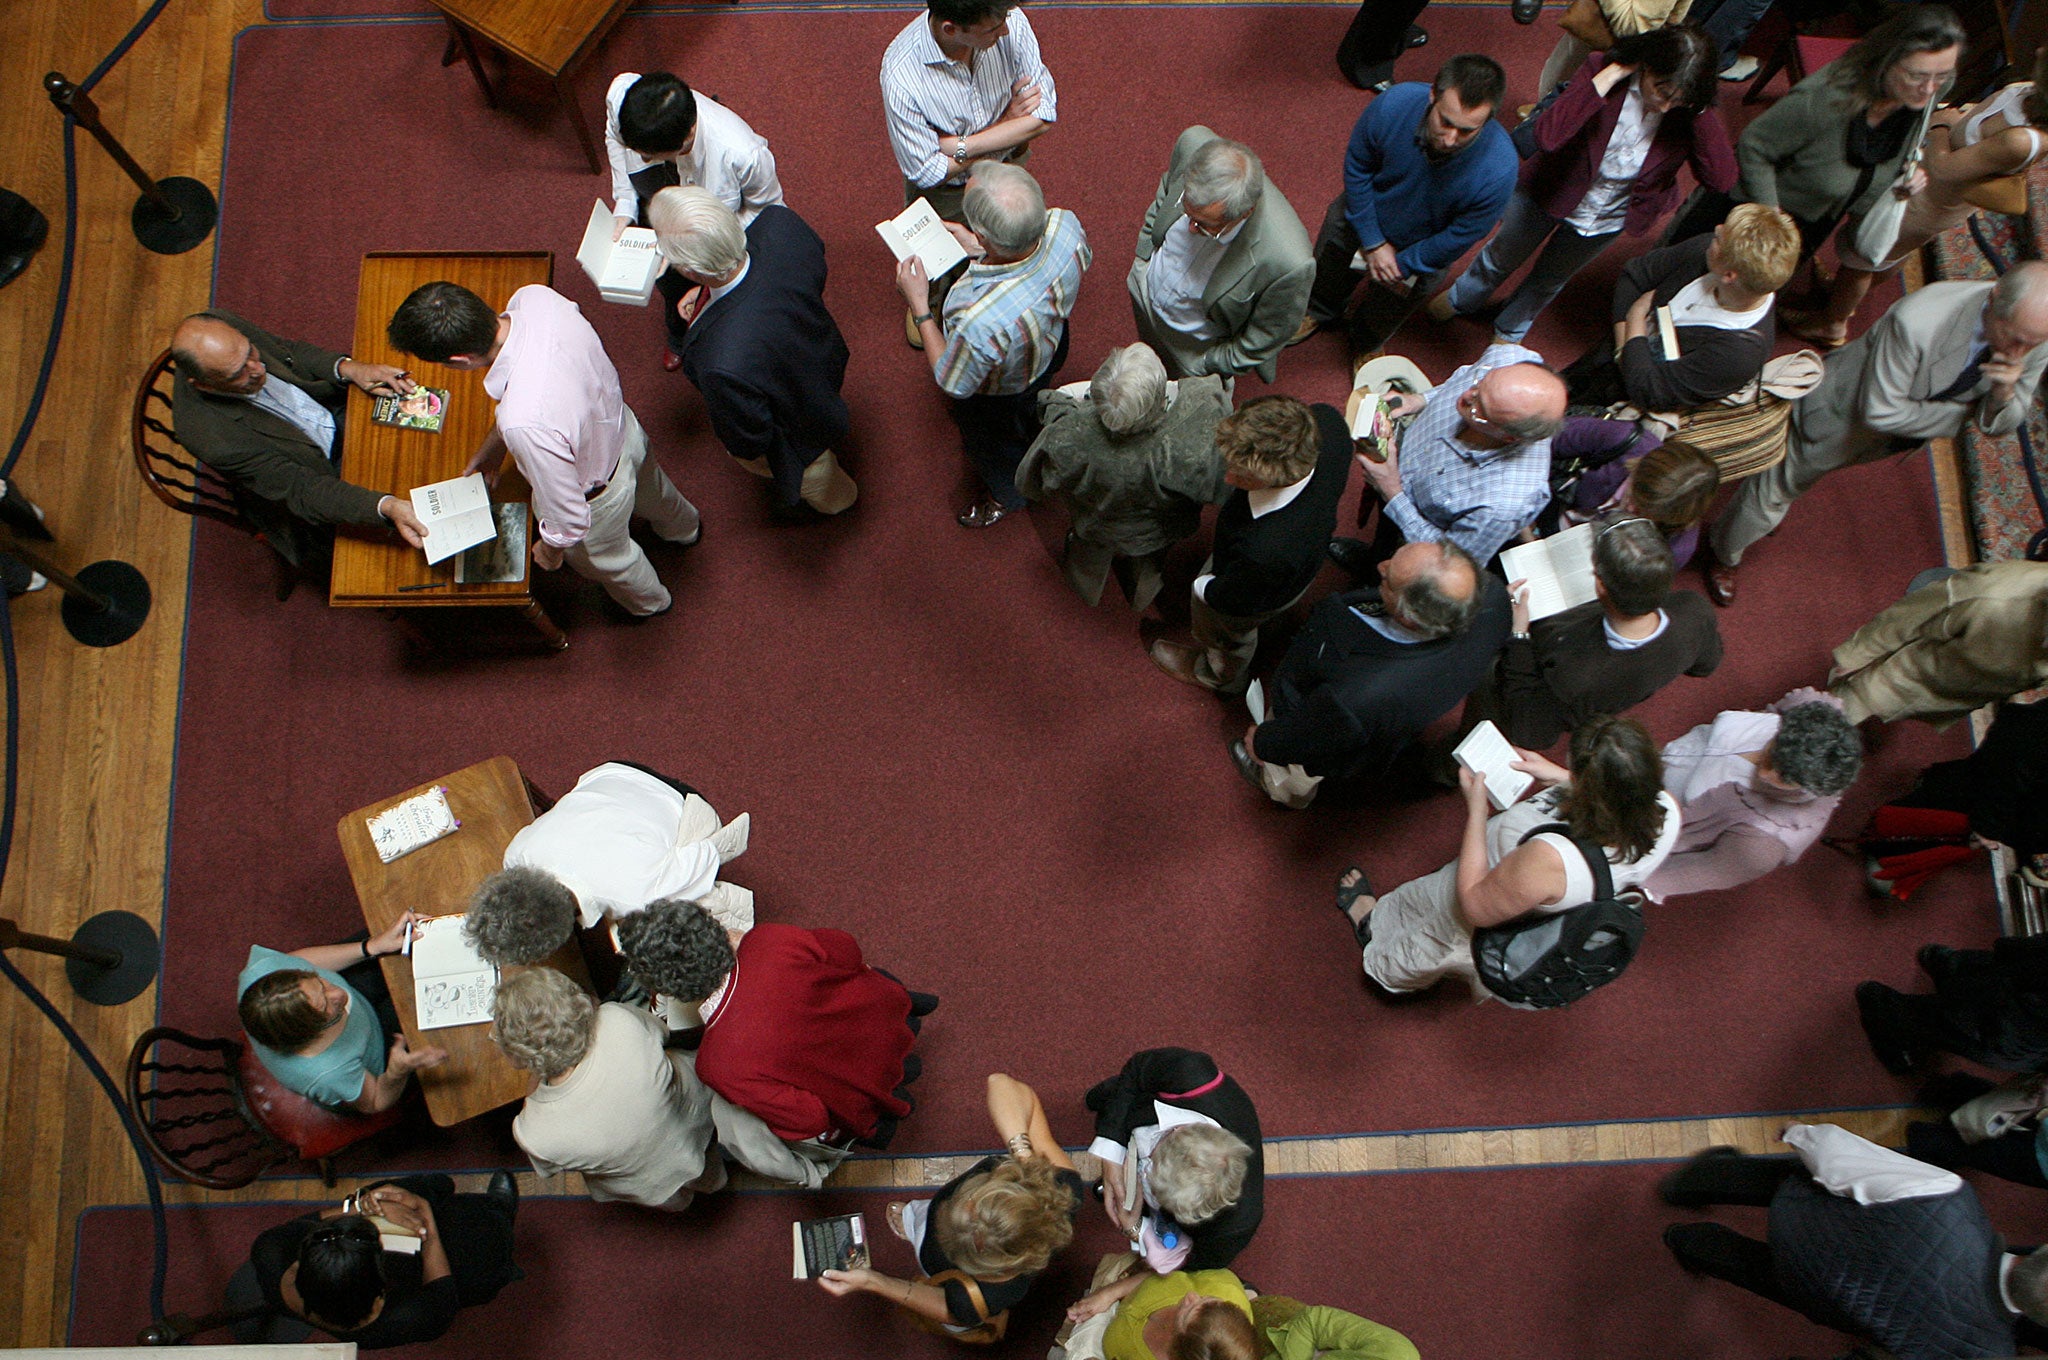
[[988, 1232]]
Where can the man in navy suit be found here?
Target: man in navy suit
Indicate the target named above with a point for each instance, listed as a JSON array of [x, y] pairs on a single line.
[[761, 347]]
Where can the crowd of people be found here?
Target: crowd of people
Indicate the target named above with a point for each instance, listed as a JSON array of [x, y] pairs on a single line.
[[782, 1048]]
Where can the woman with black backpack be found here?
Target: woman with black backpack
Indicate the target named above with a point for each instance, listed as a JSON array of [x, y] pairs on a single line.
[[1545, 886]]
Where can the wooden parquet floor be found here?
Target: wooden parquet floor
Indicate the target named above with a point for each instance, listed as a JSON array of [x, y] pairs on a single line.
[[99, 726]]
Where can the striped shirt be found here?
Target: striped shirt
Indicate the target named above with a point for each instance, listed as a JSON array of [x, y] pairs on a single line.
[[928, 96], [1003, 321], [1477, 498]]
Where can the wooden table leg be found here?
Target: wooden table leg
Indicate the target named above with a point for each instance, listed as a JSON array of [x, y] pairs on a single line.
[[565, 91], [550, 632], [458, 37]]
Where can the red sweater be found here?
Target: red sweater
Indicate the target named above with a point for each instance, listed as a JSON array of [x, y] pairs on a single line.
[[807, 1036]]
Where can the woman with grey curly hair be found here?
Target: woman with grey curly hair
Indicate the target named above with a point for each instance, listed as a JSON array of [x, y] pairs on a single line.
[[1755, 789]]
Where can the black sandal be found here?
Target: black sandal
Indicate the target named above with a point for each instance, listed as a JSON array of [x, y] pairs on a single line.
[[1349, 893]]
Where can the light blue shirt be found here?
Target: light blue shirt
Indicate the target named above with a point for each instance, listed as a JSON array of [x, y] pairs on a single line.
[[334, 1075], [1477, 498], [295, 404]]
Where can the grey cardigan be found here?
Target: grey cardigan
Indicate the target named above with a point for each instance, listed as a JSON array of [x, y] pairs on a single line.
[[1792, 156], [1139, 494]]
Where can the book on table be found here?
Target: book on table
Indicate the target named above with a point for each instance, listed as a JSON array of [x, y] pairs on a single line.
[[498, 559], [1559, 570], [1487, 753], [420, 820], [822, 1244], [457, 514], [919, 230], [451, 983], [423, 408], [624, 269]]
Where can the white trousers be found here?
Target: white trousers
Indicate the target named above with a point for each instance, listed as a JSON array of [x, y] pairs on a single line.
[[608, 555]]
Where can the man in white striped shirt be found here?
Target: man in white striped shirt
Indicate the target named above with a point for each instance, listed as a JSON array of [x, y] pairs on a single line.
[[962, 82]]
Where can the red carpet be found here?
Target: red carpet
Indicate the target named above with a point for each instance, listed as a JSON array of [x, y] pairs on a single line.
[[1547, 1263], [943, 752]]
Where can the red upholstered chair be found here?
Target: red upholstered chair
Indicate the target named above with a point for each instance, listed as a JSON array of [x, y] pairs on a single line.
[[212, 1114], [1798, 55]]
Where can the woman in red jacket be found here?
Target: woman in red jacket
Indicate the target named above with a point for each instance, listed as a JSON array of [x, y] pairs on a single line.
[[1608, 151]]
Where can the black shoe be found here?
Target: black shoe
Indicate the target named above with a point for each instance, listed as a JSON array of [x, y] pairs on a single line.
[[503, 1191], [1673, 1189], [1353, 555], [1248, 766], [1875, 1004], [1526, 11], [1416, 36], [1936, 960], [922, 1003]]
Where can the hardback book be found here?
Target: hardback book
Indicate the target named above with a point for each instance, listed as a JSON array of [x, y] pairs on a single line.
[[1559, 570], [1486, 753], [499, 559], [419, 820], [822, 1244], [623, 270], [919, 230], [457, 514], [424, 408], [390, 1236], [451, 983]]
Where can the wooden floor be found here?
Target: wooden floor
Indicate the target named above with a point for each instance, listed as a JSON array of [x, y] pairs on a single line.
[[98, 727]]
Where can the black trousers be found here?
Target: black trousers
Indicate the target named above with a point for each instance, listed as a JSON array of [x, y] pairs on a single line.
[[2010, 1157], [1377, 35], [1380, 311], [1716, 1250], [1987, 1007], [995, 431]]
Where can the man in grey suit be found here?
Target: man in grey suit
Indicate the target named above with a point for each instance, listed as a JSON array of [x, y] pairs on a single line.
[[1945, 355], [266, 413], [1224, 266]]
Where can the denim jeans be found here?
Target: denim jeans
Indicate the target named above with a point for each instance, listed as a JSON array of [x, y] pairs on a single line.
[[1523, 229]]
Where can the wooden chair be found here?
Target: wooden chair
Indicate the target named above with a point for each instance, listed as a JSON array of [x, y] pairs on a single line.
[[213, 1115], [1798, 55], [182, 481]]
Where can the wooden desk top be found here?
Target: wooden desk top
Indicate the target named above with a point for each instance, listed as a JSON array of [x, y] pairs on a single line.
[[370, 572], [553, 35], [436, 880]]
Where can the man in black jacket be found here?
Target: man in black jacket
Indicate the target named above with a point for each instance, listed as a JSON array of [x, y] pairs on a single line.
[[1371, 669], [266, 414], [1153, 1097], [1288, 463], [762, 349], [1718, 290]]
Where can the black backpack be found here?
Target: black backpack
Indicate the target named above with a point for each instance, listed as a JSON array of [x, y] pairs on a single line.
[[1548, 959]]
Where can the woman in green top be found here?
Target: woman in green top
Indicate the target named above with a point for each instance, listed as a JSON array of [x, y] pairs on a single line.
[[1827, 151], [1203, 1316]]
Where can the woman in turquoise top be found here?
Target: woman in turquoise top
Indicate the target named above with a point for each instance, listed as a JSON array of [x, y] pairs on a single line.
[[320, 1036]]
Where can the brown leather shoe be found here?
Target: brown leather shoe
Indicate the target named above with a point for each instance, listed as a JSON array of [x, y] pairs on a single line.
[[1309, 326], [1177, 660], [982, 514], [671, 361], [1720, 582]]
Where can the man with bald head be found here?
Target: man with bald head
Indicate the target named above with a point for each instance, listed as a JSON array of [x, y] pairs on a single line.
[[1473, 468], [1943, 356], [1371, 669], [266, 414]]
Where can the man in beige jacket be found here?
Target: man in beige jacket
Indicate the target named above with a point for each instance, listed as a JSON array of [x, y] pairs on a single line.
[[1970, 639]]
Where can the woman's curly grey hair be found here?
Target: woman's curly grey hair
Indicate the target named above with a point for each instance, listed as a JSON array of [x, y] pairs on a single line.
[[1129, 390], [676, 948], [519, 916], [543, 1021], [1198, 1171], [1817, 748]]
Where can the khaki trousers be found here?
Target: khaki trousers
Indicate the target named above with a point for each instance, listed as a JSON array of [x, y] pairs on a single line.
[[1761, 501], [826, 487], [608, 554]]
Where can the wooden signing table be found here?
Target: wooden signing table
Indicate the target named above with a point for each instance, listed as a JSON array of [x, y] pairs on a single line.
[[551, 36], [491, 802], [385, 573]]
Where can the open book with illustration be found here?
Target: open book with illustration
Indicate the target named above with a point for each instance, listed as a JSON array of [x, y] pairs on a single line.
[[451, 984]]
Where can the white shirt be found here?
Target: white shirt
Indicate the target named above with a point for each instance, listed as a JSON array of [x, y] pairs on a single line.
[[1605, 206], [1179, 274], [618, 841], [729, 160], [1629, 644], [1696, 305], [931, 101], [291, 402], [722, 289]]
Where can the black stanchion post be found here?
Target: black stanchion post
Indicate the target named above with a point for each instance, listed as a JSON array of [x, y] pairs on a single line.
[[110, 960], [173, 215], [103, 605]]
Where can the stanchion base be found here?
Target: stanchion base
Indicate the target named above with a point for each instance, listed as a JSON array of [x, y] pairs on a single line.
[[126, 592], [174, 235], [126, 934]]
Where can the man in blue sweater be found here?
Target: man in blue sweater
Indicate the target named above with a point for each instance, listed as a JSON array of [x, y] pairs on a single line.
[[1426, 177]]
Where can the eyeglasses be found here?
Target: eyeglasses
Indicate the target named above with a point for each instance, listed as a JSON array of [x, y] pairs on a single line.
[[1923, 80], [1197, 225]]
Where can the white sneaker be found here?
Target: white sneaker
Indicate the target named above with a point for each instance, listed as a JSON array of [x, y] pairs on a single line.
[[1742, 68]]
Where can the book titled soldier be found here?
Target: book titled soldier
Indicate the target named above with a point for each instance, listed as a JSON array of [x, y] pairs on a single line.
[[423, 408], [919, 230], [822, 1244]]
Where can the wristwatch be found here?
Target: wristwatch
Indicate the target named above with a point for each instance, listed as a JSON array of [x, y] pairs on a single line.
[[960, 151]]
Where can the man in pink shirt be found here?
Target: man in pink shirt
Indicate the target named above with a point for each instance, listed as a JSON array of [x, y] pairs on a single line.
[[561, 413]]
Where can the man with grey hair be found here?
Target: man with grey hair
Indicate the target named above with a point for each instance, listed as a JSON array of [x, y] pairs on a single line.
[[1371, 669], [1224, 266], [761, 346], [1005, 330], [1132, 457], [1942, 357]]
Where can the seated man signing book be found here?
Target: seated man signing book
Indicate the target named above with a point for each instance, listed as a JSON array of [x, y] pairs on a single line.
[[266, 414]]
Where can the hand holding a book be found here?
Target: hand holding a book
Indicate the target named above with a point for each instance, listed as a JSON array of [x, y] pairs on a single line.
[[378, 380], [840, 1283], [1518, 591], [1124, 1216], [1544, 770], [912, 283], [404, 519], [969, 242], [1384, 476], [401, 1207], [404, 1058]]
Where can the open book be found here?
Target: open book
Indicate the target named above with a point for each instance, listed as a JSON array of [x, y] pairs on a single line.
[[1486, 753], [1559, 570], [623, 270], [919, 230], [457, 514], [822, 1244], [451, 984]]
